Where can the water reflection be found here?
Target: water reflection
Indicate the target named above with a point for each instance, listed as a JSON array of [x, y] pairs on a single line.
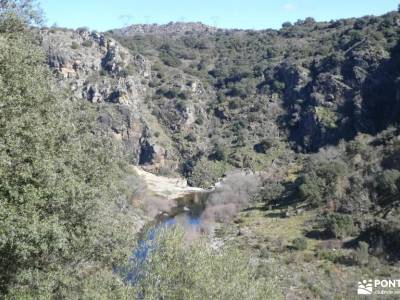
[[187, 213]]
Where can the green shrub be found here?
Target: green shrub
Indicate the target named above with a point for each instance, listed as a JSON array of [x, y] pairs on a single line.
[[87, 43], [326, 116], [338, 225], [205, 173], [129, 70], [181, 105], [312, 189], [264, 145], [176, 269], [199, 120], [361, 255], [191, 137], [278, 86], [74, 45], [321, 182], [170, 60], [219, 152], [272, 192], [388, 185], [355, 147], [300, 243]]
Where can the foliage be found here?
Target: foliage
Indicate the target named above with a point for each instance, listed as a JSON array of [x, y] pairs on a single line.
[[272, 192], [361, 256], [206, 172], [61, 188], [388, 184], [300, 243], [87, 43], [177, 269], [17, 15], [74, 45], [169, 59], [321, 183], [338, 225], [219, 153], [264, 145], [326, 116]]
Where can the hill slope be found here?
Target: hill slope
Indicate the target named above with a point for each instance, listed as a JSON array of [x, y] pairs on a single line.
[[184, 94]]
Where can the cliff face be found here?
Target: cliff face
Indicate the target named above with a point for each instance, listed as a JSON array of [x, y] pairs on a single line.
[[177, 94], [97, 69]]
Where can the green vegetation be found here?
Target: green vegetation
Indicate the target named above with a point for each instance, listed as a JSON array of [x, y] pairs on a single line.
[[322, 182], [327, 117], [74, 45], [338, 225], [207, 172], [300, 243], [169, 59], [87, 43], [61, 186], [179, 270], [312, 109]]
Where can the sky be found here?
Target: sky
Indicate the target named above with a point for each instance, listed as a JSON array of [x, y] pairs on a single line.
[[103, 15]]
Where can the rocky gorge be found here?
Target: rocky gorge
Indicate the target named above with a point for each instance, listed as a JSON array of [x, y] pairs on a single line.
[[283, 143]]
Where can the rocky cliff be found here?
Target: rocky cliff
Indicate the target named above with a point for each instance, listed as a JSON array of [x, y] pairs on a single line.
[[98, 69], [183, 95]]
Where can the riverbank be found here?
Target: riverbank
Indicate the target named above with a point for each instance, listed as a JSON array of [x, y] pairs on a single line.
[[169, 188]]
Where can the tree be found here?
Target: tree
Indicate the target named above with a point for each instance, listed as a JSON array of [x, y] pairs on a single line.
[[388, 186], [321, 182], [60, 204], [338, 225], [17, 15], [219, 153]]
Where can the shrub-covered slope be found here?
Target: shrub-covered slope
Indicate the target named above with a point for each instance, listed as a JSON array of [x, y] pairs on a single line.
[[185, 97], [309, 84]]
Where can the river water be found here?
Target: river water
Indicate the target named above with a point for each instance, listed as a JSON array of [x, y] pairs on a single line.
[[187, 213]]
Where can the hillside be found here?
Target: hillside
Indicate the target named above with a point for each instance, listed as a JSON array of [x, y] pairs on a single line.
[[188, 97], [313, 107]]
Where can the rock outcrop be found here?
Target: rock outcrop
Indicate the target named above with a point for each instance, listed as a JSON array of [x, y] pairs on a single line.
[[99, 70]]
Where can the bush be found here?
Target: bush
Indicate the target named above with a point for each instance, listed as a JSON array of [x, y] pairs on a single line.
[[170, 60], [129, 70], [388, 185], [383, 235], [199, 120], [355, 147], [74, 45], [176, 269], [300, 243], [206, 173], [219, 153], [191, 137], [272, 192], [286, 25], [321, 182], [264, 145], [312, 190], [87, 43], [361, 256], [181, 105], [338, 225]]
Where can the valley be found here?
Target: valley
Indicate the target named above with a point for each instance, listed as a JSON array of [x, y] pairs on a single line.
[[187, 161]]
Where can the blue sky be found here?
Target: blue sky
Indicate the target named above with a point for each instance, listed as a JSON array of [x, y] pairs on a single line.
[[249, 14]]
